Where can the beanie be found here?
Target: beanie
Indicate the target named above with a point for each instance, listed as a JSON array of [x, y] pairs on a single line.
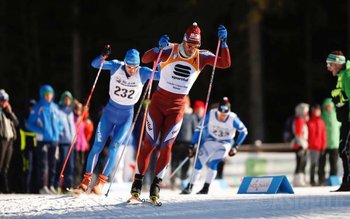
[[193, 34], [224, 106], [132, 57]]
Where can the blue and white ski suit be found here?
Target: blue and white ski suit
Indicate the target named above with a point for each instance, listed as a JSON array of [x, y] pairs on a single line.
[[217, 140], [116, 119]]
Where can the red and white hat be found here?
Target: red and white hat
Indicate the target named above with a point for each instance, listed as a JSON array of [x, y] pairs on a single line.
[[193, 34]]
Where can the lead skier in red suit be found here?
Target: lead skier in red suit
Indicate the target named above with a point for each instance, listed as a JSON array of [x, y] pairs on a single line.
[[180, 65]]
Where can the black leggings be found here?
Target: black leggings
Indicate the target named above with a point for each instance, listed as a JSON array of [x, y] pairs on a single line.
[[343, 117]]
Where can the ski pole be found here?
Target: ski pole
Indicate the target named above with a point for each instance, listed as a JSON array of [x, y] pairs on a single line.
[[147, 104], [206, 106], [80, 119], [128, 138], [179, 167]]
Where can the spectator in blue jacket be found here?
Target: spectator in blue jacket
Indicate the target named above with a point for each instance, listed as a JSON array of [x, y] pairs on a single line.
[[44, 120]]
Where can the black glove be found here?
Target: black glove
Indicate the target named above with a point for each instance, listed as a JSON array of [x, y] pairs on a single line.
[[106, 51], [232, 152], [191, 151]]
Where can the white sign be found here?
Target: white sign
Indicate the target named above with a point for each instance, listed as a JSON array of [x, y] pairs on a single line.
[[259, 184]]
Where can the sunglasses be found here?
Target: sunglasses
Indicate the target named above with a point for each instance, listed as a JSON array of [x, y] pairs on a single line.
[[192, 46], [132, 67]]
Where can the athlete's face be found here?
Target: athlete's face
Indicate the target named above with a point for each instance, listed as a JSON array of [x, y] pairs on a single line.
[[222, 116], [131, 69], [334, 68], [190, 48]]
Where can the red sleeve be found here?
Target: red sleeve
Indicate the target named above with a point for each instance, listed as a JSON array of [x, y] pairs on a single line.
[[151, 55], [224, 59], [298, 127], [89, 129]]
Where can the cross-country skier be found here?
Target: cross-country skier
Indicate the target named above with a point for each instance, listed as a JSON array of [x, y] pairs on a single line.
[[125, 88], [219, 130], [180, 66]]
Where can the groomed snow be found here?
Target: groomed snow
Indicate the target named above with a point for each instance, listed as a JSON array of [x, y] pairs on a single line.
[[307, 202]]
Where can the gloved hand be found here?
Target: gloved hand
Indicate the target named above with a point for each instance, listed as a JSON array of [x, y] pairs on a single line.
[[222, 33], [163, 41], [106, 51], [191, 151], [232, 152], [338, 97]]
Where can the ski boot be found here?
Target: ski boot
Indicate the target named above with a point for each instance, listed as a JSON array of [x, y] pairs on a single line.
[[136, 190], [205, 189], [187, 190], [154, 191], [97, 189], [84, 185], [137, 186]]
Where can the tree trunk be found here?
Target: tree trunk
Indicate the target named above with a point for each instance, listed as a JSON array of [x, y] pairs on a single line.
[[256, 93], [76, 54]]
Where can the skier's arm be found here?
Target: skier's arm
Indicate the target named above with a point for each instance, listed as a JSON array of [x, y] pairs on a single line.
[[107, 65], [242, 130], [224, 59], [152, 54], [146, 73], [208, 58]]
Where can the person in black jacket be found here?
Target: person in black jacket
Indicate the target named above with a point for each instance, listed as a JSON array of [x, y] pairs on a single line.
[[8, 122]]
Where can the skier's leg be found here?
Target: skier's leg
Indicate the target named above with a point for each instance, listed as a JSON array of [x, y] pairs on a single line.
[[220, 150], [103, 131], [170, 129], [153, 122]]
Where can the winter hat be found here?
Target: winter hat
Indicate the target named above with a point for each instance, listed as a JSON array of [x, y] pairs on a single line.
[[31, 103], [46, 89], [301, 108], [333, 58], [132, 57], [224, 106], [198, 104], [4, 95], [193, 34]]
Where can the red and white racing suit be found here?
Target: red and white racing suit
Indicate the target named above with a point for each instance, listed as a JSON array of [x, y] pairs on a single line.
[[177, 75]]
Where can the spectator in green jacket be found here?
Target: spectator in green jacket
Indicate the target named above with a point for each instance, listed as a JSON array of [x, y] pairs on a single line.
[[329, 117]]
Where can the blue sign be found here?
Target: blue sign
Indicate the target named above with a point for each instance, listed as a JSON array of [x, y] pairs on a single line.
[[265, 185]]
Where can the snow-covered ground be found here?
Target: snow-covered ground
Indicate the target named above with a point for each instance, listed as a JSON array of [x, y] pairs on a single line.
[[307, 202]]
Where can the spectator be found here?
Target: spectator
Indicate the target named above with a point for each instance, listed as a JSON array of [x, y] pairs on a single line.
[[316, 139], [28, 145], [8, 122], [329, 116], [300, 142], [44, 120], [198, 109], [66, 137], [84, 134]]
